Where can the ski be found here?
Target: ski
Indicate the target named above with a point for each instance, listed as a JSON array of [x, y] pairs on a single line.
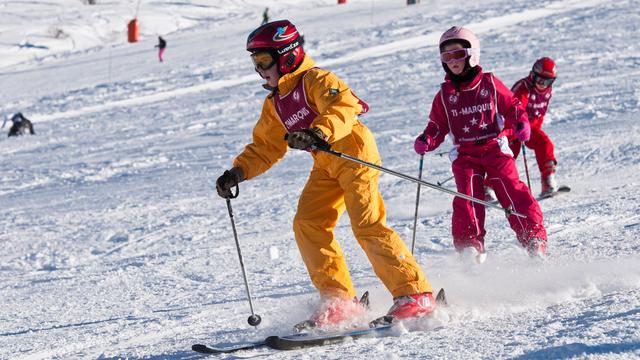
[[204, 349], [299, 341], [561, 189], [383, 326], [295, 341]]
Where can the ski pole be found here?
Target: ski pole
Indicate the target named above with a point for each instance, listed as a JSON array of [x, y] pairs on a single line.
[[254, 319], [526, 167], [326, 148], [415, 217], [440, 183]]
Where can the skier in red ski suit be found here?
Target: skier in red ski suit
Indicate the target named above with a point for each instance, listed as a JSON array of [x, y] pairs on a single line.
[[534, 92], [473, 107]]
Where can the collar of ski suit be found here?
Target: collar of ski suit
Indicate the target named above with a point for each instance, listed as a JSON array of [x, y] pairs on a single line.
[[289, 81], [465, 85]]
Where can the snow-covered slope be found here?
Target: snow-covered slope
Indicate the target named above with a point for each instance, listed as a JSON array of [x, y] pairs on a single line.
[[115, 245]]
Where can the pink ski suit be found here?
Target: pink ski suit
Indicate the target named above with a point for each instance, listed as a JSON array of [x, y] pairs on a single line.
[[536, 103], [474, 114]]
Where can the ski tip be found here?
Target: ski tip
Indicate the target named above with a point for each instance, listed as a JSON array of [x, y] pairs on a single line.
[[441, 298], [364, 300], [561, 189]]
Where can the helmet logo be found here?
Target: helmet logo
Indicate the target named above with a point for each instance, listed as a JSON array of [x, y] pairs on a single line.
[[288, 48], [280, 34]]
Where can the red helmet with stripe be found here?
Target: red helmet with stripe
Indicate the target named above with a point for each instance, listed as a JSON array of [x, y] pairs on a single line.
[[544, 67], [283, 40]]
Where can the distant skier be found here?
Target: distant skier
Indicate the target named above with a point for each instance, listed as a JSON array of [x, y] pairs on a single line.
[[162, 45], [21, 125], [265, 16], [314, 106], [534, 91], [471, 106]]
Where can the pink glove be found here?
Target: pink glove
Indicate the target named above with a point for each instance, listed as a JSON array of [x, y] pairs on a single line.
[[423, 144], [523, 131]]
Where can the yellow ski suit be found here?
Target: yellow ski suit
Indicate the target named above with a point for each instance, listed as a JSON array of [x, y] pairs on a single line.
[[333, 185]]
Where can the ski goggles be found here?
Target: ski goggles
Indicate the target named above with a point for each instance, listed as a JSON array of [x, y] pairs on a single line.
[[544, 81], [263, 60], [455, 55]]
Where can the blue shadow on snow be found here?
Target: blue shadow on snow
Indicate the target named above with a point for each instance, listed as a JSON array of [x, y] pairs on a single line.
[[576, 349]]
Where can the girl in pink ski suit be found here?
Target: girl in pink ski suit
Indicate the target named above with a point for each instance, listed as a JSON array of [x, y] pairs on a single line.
[[473, 106]]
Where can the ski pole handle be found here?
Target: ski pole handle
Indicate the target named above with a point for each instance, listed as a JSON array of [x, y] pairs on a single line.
[[233, 196], [320, 145]]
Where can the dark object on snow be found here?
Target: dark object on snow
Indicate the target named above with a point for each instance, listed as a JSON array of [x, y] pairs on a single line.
[[162, 43], [20, 125], [265, 16]]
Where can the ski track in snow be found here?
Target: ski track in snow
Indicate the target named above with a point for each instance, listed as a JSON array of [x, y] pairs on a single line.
[[116, 246]]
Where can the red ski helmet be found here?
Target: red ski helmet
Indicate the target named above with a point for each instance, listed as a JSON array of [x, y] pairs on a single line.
[[282, 40], [543, 72], [544, 67], [468, 40]]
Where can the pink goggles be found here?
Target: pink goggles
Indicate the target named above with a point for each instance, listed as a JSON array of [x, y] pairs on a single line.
[[455, 55]]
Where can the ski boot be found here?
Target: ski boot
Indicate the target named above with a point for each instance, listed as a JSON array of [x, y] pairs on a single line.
[[407, 307], [334, 311], [537, 248], [549, 183], [471, 252]]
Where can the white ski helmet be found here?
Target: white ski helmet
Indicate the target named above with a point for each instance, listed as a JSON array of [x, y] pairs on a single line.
[[468, 39]]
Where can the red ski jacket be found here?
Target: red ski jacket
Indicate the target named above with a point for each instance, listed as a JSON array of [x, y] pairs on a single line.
[[533, 100], [473, 113]]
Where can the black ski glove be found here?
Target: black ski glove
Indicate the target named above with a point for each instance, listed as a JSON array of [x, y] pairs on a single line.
[[305, 138], [228, 180]]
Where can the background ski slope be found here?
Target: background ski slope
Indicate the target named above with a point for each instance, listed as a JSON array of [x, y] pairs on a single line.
[[115, 245]]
